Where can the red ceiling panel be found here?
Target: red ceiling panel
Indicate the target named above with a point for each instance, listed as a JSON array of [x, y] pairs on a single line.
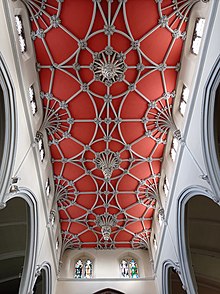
[[108, 73]]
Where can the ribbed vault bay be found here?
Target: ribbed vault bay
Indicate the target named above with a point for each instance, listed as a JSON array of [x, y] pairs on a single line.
[[108, 73]]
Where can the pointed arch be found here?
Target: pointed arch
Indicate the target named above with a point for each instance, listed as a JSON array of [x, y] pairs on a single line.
[[8, 117], [129, 265], [31, 237], [188, 274], [172, 281], [211, 127], [83, 266], [43, 282]]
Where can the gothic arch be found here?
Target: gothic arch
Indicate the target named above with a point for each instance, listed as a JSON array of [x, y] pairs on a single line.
[[211, 127], [168, 266], [7, 128], [128, 257], [29, 265], [43, 280], [84, 257], [188, 276]]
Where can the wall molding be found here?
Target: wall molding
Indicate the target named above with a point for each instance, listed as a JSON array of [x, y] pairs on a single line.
[[184, 258], [8, 129], [45, 266], [28, 274], [208, 137], [198, 75], [9, 10], [165, 269]]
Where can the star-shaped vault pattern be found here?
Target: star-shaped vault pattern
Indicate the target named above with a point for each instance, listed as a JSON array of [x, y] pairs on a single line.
[[108, 73]]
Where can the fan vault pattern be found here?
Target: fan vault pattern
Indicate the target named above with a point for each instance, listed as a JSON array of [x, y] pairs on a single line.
[[107, 71]]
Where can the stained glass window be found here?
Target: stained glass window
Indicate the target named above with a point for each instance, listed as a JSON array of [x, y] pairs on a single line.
[[124, 268], [88, 269], [79, 269], [83, 269], [133, 269], [129, 268]]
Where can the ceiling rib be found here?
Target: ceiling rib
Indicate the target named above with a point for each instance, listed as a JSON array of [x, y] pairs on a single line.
[[107, 87]]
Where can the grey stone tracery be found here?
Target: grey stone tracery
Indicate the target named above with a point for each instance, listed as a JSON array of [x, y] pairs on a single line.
[[106, 221], [107, 161], [109, 67]]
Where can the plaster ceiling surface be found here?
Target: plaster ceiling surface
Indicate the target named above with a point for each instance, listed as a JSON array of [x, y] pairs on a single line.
[[107, 71]]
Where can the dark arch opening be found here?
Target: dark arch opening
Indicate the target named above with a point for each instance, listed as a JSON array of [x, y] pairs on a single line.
[[217, 123], [174, 282], [211, 128], [13, 245], [108, 291], [202, 224], [40, 286], [2, 123]]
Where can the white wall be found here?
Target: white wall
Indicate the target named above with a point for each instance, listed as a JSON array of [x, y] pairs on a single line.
[[89, 287], [28, 168], [106, 272], [189, 166]]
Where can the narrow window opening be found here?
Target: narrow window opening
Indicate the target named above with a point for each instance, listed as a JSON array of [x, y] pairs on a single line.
[[20, 31], [32, 100], [183, 100], [197, 35], [174, 147], [166, 186]]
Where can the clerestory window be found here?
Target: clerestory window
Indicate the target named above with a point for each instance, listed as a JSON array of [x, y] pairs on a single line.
[[129, 268], [83, 269], [20, 31]]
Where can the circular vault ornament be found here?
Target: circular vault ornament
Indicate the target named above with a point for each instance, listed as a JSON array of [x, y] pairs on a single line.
[[108, 66]]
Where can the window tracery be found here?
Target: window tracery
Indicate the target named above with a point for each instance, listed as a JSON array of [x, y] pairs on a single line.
[[129, 268], [83, 269], [79, 269], [124, 268]]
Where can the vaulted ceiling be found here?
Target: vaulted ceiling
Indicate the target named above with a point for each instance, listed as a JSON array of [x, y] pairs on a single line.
[[108, 73]]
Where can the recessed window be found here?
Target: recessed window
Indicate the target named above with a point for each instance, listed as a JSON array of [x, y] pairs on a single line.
[[41, 149], [183, 100], [155, 242], [57, 244], [52, 218], [160, 216], [197, 35], [47, 187], [32, 99], [83, 269], [174, 147], [160, 219], [129, 268], [166, 186], [20, 31]]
